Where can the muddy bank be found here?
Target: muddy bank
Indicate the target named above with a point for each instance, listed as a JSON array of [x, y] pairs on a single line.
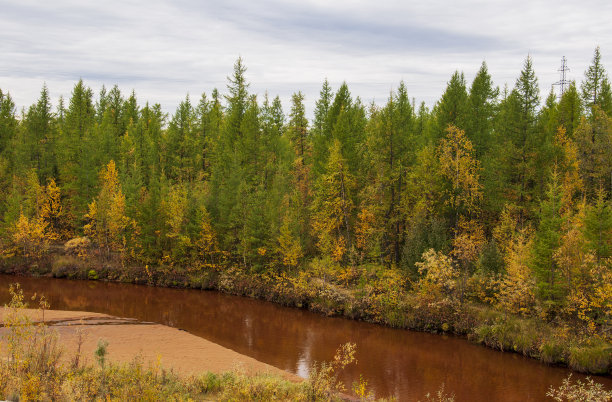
[[128, 338]]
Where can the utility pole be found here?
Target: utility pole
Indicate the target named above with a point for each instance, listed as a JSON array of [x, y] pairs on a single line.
[[563, 82]]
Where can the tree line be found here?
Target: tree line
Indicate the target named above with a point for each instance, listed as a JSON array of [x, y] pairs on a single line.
[[492, 194]]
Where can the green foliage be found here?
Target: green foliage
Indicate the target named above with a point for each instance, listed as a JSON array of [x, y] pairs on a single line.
[[482, 102], [230, 193], [452, 109], [598, 226], [596, 87], [101, 352]]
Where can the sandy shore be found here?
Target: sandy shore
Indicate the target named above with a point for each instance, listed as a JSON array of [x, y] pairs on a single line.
[[181, 351]]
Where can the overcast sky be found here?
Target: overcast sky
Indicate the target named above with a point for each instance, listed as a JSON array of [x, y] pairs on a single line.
[[166, 49]]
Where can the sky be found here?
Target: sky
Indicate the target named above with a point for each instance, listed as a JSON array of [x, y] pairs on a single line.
[[165, 50]]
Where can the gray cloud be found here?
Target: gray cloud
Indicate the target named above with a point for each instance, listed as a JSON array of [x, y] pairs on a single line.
[[165, 49]]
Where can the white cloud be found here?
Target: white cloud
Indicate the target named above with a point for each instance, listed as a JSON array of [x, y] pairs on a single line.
[[164, 49]]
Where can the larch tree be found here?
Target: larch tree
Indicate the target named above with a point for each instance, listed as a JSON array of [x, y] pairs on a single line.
[[517, 289], [332, 207], [462, 170], [52, 212], [107, 223]]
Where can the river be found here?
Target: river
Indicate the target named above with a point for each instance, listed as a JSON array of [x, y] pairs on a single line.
[[394, 362]]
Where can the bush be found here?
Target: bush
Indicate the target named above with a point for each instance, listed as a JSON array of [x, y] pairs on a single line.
[[580, 391], [67, 266], [77, 246]]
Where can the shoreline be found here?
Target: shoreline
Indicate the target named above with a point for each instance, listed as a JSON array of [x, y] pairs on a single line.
[[128, 339], [484, 326]]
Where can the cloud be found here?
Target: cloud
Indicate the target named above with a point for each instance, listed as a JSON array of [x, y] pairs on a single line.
[[165, 49]]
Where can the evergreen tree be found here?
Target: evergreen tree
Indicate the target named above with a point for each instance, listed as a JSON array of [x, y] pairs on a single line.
[[569, 110], [183, 146], [332, 207], [452, 109], [321, 132], [78, 176], [546, 242], [481, 108], [518, 149], [598, 226], [389, 146], [596, 79], [8, 123], [594, 140], [298, 127]]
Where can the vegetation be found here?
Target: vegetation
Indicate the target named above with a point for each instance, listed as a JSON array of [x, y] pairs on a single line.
[[35, 368], [579, 391], [489, 215]]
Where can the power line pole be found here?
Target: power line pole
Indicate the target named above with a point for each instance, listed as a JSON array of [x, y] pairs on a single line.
[[563, 82]]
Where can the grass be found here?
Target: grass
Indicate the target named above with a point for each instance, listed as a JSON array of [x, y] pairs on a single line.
[[368, 294], [33, 370]]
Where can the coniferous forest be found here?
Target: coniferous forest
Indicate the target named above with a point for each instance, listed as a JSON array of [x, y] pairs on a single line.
[[488, 215]]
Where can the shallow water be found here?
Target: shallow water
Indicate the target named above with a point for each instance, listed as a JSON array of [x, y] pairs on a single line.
[[395, 362]]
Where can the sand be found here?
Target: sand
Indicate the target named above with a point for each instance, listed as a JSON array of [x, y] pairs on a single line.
[[174, 349]]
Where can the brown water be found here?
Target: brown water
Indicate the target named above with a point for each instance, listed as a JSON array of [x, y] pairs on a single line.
[[394, 362]]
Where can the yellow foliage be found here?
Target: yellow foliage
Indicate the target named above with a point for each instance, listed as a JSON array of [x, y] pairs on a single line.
[[175, 208], [339, 249], [468, 241], [507, 228], [290, 248], [52, 212], [365, 230], [570, 166], [459, 166], [29, 238], [517, 289], [333, 206], [439, 275], [78, 246], [207, 244], [108, 225], [590, 301]]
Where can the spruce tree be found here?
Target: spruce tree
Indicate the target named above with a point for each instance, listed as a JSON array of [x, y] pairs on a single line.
[[569, 110], [481, 108], [452, 108], [546, 241], [595, 78]]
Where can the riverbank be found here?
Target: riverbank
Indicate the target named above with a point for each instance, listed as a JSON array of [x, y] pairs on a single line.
[[44, 357], [129, 339], [361, 295]]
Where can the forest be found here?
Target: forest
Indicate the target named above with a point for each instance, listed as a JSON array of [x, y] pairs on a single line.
[[488, 215]]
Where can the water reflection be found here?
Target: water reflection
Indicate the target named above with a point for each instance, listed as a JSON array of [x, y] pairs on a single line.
[[394, 362]]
